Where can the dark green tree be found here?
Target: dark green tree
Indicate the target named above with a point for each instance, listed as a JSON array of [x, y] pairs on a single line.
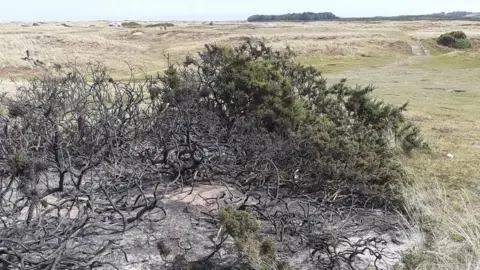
[[305, 16]]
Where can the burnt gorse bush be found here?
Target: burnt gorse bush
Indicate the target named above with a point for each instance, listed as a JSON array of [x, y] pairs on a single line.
[[88, 156]]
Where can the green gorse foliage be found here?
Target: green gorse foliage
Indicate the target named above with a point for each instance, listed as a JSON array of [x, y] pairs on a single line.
[[456, 39]]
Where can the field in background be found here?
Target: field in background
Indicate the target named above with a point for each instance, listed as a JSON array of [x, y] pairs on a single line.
[[399, 58]]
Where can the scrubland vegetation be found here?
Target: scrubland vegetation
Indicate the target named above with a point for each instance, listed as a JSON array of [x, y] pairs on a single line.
[[104, 147], [248, 115], [457, 40], [160, 25]]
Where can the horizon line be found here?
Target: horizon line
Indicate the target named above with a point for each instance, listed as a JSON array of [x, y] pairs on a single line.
[[245, 17]]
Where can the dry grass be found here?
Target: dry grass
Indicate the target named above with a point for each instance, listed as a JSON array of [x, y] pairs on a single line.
[[453, 227], [86, 42], [446, 191]]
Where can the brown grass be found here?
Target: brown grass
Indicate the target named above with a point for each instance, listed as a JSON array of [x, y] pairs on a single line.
[[84, 43]]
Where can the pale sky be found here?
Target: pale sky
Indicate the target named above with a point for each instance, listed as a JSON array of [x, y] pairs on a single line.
[[75, 10]]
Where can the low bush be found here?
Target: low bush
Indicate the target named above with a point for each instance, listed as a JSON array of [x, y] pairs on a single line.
[[458, 34], [456, 39], [131, 25], [446, 40], [161, 25], [463, 44], [258, 252]]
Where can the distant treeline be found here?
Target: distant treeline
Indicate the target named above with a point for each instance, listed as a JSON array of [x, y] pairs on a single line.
[[458, 15], [328, 16], [305, 16]]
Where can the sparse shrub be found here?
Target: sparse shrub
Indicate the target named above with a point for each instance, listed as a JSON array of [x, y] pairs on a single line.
[[131, 25], [238, 224], [138, 32], [244, 228], [19, 163], [211, 23], [268, 248], [161, 25], [36, 24], [66, 25]]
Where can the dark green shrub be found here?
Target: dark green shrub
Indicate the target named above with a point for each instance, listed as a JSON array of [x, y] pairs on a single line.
[[462, 44], [255, 81], [446, 40], [458, 34], [456, 39], [36, 24], [161, 25], [305, 16], [131, 25]]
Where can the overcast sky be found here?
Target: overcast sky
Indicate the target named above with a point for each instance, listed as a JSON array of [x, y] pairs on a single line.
[[74, 10]]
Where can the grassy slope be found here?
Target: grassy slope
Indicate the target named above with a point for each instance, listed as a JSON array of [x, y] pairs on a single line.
[[444, 100], [339, 64]]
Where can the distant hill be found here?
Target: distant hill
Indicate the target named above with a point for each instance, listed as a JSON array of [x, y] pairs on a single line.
[[328, 16], [456, 15]]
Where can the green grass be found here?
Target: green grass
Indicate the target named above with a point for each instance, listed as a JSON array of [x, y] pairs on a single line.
[[434, 48], [336, 64], [447, 191], [370, 58], [468, 59], [447, 58], [448, 117]]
